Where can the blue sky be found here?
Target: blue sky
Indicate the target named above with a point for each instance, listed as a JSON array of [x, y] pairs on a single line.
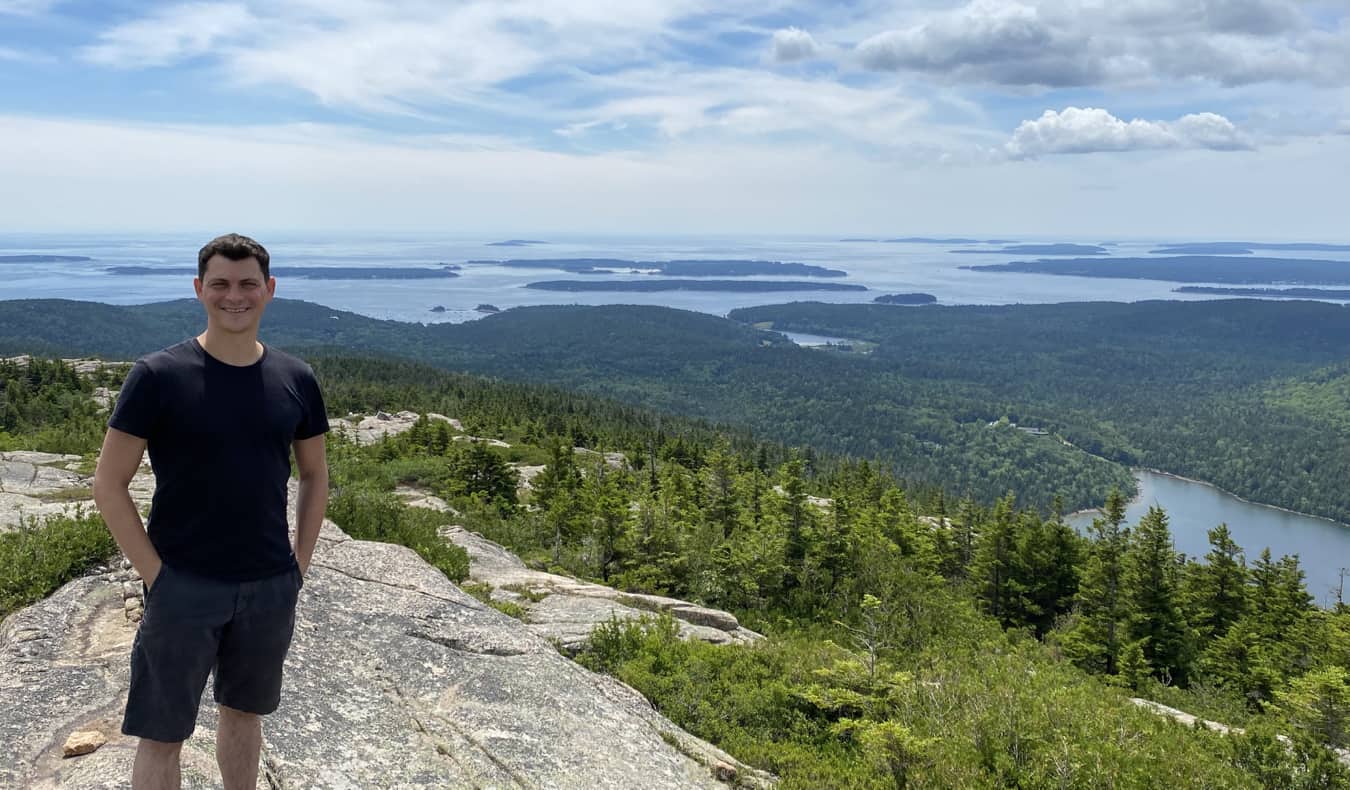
[[1074, 118]]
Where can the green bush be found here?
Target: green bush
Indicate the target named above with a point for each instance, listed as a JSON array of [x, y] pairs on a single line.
[[38, 558], [370, 514]]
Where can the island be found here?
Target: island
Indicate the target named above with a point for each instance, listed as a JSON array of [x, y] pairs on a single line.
[[310, 272], [907, 299], [676, 268], [1039, 249], [927, 240], [43, 258], [1276, 293], [440, 308], [649, 286], [487, 308], [515, 243], [1190, 269], [1244, 248]]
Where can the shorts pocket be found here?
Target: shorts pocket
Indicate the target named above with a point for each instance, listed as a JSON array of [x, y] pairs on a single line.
[[153, 590]]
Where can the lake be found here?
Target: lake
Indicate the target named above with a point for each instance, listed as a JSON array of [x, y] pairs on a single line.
[[1195, 508]]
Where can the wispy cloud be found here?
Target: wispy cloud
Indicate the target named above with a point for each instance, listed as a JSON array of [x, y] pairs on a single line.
[[171, 35], [1091, 130], [26, 7]]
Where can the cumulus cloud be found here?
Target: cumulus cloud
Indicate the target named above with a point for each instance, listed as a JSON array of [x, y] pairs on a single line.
[[793, 44], [1067, 43], [1091, 130], [172, 34], [988, 41]]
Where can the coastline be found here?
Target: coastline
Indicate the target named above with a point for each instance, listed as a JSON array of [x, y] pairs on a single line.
[[1137, 497]]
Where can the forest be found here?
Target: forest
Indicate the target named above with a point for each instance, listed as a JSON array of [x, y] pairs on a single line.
[[912, 640], [1239, 393]]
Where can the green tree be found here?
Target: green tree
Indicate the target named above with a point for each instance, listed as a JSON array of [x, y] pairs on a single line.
[[1152, 597]]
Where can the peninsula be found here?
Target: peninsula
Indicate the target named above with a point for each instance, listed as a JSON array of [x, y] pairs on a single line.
[[677, 268], [312, 272], [43, 258]]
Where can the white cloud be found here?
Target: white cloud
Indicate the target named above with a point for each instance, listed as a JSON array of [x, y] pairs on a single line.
[[793, 44], [172, 34], [1090, 130], [1067, 43]]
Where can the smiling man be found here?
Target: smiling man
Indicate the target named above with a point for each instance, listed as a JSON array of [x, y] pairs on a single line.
[[220, 414]]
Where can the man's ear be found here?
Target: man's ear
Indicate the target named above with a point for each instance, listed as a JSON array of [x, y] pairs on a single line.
[[197, 286], [271, 287]]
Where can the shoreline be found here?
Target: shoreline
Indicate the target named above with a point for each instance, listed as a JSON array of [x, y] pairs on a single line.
[[1137, 497]]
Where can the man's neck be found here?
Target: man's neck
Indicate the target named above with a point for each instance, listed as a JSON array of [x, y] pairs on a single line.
[[231, 349]]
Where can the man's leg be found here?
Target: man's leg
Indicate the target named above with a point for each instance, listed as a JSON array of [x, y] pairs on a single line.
[[156, 766], [238, 744]]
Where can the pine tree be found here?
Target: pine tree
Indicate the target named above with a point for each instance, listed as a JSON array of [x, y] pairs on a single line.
[[1096, 640], [1153, 597], [1217, 589]]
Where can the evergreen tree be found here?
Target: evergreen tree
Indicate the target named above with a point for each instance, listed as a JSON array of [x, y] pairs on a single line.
[[1153, 597], [1095, 642], [1217, 589]]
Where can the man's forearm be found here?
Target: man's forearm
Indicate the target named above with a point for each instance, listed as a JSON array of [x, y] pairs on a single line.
[[124, 522], [311, 503]]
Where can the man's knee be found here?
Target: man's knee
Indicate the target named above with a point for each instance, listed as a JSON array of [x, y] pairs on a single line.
[[159, 749], [239, 716]]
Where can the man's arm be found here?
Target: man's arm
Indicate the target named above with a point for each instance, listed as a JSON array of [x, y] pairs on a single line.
[[117, 464], [312, 463]]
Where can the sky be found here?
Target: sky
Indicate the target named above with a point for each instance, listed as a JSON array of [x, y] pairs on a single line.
[[1187, 119]]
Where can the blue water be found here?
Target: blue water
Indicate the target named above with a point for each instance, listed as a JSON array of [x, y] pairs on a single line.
[[1194, 508], [883, 268]]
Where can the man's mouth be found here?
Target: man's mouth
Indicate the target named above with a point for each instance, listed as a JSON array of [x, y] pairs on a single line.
[[235, 309]]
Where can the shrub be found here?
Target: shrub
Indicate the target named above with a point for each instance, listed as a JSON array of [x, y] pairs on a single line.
[[369, 514], [38, 558]]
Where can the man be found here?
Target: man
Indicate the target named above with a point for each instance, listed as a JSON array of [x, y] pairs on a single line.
[[220, 414]]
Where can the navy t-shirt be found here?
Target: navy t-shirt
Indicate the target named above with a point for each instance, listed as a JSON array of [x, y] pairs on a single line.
[[220, 438]]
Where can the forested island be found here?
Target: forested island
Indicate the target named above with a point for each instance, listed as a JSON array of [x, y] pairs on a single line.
[[43, 258], [678, 268], [1245, 248], [1190, 269], [1039, 249], [312, 272], [1281, 293], [911, 640], [515, 243], [906, 299], [649, 286]]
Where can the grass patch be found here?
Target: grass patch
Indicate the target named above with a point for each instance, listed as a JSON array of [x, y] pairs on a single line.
[[78, 494], [533, 596], [38, 558], [367, 513]]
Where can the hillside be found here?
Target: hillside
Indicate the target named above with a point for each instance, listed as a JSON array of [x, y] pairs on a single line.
[[1191, 388], [904, 646]]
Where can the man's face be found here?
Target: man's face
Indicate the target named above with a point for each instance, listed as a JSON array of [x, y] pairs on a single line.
[[234, 293]]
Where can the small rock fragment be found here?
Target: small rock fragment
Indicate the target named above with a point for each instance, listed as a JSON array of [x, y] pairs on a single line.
[[83, 742]]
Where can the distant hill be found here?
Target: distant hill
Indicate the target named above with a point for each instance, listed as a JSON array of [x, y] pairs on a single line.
[[1190, 269]]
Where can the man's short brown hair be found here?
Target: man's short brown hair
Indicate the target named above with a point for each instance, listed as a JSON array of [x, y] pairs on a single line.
[[234, 247]]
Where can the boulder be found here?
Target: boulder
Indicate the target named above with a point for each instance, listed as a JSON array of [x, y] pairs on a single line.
[[565, 610], [395, 678]]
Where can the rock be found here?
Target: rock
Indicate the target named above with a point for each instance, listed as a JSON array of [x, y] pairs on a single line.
[[83, 742], [527, 475], [569, 609], [440, 308], [395, 678], [368, 430]]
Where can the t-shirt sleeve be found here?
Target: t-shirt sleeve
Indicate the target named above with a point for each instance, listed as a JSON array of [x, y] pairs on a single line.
[[137, 404], [315, 420]]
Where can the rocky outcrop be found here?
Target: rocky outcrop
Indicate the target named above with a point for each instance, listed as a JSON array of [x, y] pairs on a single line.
[[1191, 721], [40, 485], [565, 610], [396, 678]]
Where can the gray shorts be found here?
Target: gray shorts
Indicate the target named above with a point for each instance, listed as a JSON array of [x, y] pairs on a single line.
[[193, 626]]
